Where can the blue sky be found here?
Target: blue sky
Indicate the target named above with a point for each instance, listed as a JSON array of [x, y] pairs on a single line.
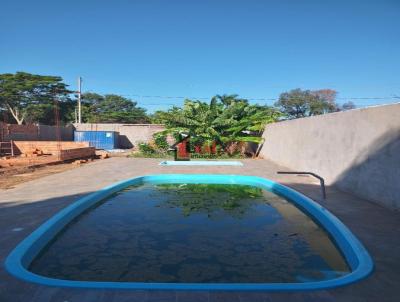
[[256, 49]]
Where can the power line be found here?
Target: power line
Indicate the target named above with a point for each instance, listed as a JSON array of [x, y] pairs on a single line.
[[254, 99], [247, 98]]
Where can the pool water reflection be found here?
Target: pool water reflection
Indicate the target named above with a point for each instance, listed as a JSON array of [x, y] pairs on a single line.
[[192, 233]]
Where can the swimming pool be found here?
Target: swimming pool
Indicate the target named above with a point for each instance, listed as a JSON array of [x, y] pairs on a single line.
[[192, 232]]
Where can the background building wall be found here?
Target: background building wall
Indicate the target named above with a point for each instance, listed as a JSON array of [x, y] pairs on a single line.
[[356, 150]]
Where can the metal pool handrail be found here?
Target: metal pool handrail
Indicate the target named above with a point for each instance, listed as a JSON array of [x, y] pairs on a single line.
[[321, 180]]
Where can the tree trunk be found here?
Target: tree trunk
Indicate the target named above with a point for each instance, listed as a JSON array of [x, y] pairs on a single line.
[[19, 118]]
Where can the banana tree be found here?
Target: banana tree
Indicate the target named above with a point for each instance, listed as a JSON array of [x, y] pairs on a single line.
[[225, 120]]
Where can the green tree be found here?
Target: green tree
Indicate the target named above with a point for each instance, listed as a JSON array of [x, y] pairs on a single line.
[[46, 113], [225, 121], [326, 102], [23, 93], [111, 108], [228, 99], [159, 117], [301, 103]]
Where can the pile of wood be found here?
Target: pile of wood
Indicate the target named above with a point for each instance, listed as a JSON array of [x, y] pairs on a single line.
[[102, 154], [5, 163], [32, 153], [78, 162]]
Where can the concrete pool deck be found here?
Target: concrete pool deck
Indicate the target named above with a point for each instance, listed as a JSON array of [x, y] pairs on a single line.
[[25, 207]]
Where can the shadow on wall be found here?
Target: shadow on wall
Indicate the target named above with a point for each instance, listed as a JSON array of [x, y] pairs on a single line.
[[375, 175], [124, 142]]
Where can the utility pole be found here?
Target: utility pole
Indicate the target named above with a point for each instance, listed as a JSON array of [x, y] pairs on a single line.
[[79, 100]]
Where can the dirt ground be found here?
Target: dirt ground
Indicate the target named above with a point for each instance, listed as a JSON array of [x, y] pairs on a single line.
[[10, 179]]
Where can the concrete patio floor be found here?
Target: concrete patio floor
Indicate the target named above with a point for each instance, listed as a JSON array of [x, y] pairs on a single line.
[[25, 207]]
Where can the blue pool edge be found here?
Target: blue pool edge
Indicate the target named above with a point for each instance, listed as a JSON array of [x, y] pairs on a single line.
[[353, 250]]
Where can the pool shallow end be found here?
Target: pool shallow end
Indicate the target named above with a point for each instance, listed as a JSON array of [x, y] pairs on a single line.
[[354, 252]]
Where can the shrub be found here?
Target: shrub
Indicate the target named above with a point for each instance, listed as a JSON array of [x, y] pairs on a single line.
[[146, 149], [160, 141]]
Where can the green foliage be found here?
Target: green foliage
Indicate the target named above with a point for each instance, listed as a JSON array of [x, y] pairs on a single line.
[[111, 108], [218, 155], [151, 151], [159, 117], [206, 198], [225, 119], [158, 148], [46, 114], [151, 155], [160, 140], [146, 149], [301, 103], [32, 96]]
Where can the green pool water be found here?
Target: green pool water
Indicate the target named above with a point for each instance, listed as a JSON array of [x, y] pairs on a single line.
[[192, 233]]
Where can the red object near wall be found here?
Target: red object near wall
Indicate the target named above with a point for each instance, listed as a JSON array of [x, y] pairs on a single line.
[[213, 148], [197, 149], [182, 150]]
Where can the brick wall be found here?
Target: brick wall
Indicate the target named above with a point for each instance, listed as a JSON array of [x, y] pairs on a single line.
[[77, 153], [35, 132]]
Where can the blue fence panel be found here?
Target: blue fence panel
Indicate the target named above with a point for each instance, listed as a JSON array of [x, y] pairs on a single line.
[[106, 140]]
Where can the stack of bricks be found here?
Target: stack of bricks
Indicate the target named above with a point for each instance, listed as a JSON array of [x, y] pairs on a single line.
[[16, 132], [77, 153], [62, 150]]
